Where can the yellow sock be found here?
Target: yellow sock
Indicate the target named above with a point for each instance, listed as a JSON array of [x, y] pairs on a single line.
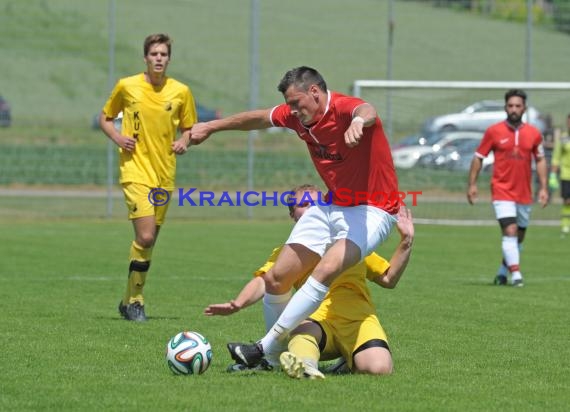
[[565, 221], [136, 281], [305, 347], [139, 259]]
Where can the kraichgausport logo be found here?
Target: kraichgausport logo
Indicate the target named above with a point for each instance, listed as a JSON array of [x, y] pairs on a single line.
[[341, 197]]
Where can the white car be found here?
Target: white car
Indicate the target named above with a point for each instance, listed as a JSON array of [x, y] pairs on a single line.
[[479, 116], [407, 157]]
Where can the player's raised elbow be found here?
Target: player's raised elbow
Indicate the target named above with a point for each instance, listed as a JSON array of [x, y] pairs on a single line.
[[386, 281], [391, 285]]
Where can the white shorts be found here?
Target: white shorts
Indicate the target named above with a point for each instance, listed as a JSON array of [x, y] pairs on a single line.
[[507, 208], [321, 225]]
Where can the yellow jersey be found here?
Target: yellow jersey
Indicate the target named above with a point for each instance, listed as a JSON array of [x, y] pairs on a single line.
[[561, 156], [152, 115]]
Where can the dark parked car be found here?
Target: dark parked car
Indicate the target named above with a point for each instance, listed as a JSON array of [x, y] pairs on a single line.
[[5, 115], [205, 114]]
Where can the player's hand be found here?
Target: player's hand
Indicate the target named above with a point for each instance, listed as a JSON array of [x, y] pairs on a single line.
[[180, 146], [543, 197], [199, 133], [354, 133], [126, 143], [405, 224], [472, 194], [222, 309]]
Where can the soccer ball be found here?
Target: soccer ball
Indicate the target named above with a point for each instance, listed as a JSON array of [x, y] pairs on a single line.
[[188, 353]]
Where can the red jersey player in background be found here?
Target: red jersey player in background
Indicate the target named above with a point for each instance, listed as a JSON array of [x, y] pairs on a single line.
[[514, 144], [347, 145]]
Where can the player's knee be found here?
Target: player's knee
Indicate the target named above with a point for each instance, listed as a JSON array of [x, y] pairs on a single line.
[[276, 283], [374, 361], [146, 240], [381, 369], [377, 368], [274, 286]]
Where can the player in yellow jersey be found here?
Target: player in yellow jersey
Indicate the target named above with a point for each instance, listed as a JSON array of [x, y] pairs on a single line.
[[560, 169], [345, 324], [155, 109]]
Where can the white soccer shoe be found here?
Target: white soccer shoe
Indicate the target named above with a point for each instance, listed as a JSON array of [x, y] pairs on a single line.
[[297, 368]]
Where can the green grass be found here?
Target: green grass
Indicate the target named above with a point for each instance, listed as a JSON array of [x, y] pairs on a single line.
[[458, 343]]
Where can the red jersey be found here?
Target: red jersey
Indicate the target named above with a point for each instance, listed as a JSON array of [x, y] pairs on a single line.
[[360, 175], [513, 150]]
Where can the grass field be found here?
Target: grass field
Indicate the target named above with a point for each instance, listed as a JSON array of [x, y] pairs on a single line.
[[458, 342]]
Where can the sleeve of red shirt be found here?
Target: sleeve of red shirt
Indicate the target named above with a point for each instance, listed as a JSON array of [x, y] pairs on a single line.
[[486, 144], [281, 116]]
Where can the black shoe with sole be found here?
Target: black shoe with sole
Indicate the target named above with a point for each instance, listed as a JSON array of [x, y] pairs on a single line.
[[135, 312], [263, 366], [500, 280], [249, 354]]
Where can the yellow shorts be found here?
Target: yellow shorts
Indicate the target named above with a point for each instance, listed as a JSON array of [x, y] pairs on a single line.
[[145, 201], [348, 324]]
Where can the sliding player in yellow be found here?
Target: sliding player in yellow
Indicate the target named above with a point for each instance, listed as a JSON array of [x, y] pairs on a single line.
[[345, 324], [155, 107]]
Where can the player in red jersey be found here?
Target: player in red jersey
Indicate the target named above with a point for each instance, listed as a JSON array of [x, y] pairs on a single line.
[[349, 149], [514, 144]]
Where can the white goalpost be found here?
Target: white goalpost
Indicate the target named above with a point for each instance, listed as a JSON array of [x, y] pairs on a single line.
[[469, 85]]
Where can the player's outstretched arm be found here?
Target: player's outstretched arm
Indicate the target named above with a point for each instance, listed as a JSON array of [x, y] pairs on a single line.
[[251, 293], [251, 120], [401, 256]]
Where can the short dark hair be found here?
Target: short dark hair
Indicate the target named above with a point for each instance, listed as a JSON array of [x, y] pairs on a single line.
[[307, 187], [515, 93], [159, 38], [302, 77]]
